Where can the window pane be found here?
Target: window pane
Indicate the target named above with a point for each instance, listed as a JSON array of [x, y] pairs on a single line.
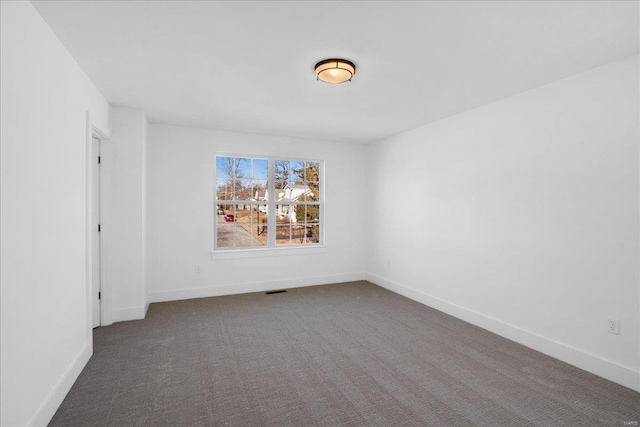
[[223, 190], [260, 169], [285, 214], [305, 193], [312, 233], [225, 207], [312, 213], [314, 189], [298, 234], [242, 213], [232, 167], [297, 172], [243, 189], [251, 227], [259, 191], [225, 230], [242, 238], [299, 213], [307, 197], [312, 171], [242, 226], [283, 235], [222, 167], [224, 235], [298, 192], [259, 227], [230, 172], [282, 170], [242, 168]]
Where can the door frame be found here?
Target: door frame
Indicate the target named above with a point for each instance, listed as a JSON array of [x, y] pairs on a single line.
[[96, 300], [92, 131]]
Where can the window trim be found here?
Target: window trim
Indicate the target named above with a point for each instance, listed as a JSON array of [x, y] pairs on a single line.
[[271, 249], [265, 251]]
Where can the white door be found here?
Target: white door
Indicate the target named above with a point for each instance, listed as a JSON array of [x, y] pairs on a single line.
[[95, 209]]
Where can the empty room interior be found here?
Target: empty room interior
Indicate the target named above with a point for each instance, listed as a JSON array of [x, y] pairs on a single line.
[[283, 213]]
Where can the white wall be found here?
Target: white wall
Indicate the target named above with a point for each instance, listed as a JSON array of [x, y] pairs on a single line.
[[123, 215], [180, 215], [45, 318], [522, 217]]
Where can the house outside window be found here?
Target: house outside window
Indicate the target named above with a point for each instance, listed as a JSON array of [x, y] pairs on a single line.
[[267, 202]]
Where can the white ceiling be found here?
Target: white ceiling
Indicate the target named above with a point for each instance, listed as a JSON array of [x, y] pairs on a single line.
[[248, 66]]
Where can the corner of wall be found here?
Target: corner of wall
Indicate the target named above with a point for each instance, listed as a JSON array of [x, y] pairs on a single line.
[[510, 198], [125, 214], [234, 289], [54, 399], [129, 313], [623, 375]]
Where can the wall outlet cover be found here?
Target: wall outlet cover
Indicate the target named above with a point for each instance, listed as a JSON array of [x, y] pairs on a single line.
[[613, 326]]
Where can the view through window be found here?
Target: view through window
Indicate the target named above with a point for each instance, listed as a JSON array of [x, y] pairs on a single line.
[[266, 202]]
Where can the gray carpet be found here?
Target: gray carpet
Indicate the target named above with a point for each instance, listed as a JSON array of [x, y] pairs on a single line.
[[351, 354]]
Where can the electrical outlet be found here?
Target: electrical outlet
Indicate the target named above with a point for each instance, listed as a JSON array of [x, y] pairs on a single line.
[[613, 327]]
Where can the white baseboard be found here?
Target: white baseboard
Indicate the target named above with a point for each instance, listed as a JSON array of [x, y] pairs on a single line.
[[596, 365], [54, 399], [128, 313], [243, 288]]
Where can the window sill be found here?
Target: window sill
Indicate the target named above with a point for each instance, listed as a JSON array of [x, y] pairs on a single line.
[[270, 252]]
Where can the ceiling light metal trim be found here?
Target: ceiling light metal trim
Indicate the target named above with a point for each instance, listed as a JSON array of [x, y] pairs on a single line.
[[335, 70]]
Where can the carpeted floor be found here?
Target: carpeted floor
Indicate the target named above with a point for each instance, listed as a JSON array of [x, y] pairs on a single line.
[[350, 354]]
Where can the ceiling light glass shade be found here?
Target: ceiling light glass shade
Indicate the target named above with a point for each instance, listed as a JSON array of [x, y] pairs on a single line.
[[335, 70]]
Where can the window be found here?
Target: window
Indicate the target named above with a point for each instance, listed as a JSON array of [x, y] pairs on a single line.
[[267, 202]]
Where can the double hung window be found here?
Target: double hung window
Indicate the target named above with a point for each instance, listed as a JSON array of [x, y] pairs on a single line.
[[267, 202]]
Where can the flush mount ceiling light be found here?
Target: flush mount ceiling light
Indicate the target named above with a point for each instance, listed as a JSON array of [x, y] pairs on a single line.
[[335, 70]]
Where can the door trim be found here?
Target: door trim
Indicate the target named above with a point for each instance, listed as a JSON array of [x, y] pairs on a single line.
[[92, 131]]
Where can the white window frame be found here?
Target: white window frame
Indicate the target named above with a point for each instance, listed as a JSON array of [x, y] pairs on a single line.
[[271, 248]]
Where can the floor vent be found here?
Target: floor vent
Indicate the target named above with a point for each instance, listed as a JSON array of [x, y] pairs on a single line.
[[276, 292]]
